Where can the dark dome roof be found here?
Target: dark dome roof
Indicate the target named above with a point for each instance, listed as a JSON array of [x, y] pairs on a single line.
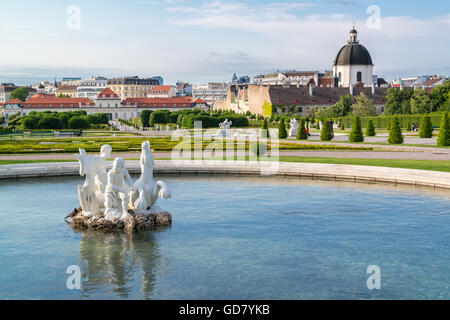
[[353, 53]]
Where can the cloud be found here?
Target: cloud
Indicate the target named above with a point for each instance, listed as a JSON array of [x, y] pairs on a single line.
[[310, 41]]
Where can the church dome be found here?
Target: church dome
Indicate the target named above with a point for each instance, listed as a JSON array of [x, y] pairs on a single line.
[[353, 53]]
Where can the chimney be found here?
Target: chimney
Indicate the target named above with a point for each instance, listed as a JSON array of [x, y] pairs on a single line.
[[351, 89], [373, 88], [310, 90]]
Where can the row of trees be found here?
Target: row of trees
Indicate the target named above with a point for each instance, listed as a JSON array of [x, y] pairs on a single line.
[[63, 120], [412, 101]]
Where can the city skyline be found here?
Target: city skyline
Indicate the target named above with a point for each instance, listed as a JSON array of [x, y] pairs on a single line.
[[201, 41]]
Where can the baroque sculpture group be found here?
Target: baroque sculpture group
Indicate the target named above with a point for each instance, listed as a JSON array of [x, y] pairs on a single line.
[[112, 195]]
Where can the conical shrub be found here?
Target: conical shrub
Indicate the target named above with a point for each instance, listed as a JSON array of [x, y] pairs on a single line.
[[370, 131], [326, 134], [426, 127], [444, 131], [356, 135], [408, 126], [282, 133], [264, 129], [301, 134], [395, 132]]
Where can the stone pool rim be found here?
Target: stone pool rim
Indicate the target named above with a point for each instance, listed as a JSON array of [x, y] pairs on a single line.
[[314, 171]]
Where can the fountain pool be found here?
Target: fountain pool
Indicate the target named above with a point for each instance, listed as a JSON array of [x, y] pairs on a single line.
[[232, 238]]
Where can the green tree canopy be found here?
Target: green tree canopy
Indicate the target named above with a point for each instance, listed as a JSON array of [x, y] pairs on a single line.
[[20, 93], [420, 101], [341, 108], [364, 106]]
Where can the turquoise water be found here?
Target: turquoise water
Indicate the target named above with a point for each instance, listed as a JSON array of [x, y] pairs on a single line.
[[232, 238]]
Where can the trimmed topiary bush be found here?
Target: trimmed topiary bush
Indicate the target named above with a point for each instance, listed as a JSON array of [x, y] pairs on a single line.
[[356, 135], [395, 132], [342, 126], [370, 131], [301, 134], [326, 134], [408, 126], [426, 127], [282, 133], [264, 129], [444, 131], [259, 148]]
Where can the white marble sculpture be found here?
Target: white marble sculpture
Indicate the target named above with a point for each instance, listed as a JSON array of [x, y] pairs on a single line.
[[224, 127], [295, 124], [91, 193], [114, 192], [117, 191], [145, 191]]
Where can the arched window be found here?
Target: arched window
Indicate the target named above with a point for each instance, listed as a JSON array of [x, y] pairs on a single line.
[[359, 76], [340, 76]]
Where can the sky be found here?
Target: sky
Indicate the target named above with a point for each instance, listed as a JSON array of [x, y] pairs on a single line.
[[207, 40]]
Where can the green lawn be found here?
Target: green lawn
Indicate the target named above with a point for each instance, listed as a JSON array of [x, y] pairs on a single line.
[[433, 165]]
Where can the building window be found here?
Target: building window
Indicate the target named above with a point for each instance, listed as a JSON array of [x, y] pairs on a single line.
[[340, 76], [359, 76]]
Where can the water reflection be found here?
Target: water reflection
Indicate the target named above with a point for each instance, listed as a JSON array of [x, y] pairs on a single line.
[[118, 263]]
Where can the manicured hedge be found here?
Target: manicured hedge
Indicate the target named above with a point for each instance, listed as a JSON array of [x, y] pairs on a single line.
[[382, 121], [62, 120]]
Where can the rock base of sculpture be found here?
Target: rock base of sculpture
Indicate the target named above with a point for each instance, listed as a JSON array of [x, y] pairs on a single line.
[[137, 222]]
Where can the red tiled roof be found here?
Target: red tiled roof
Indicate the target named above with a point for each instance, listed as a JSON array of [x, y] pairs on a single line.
[[160, 89], [108, 93], [175, 102], [14, 101], [200, 101], [42, 101]]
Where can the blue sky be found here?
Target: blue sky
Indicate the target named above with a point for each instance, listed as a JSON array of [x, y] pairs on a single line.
[[200, 41]]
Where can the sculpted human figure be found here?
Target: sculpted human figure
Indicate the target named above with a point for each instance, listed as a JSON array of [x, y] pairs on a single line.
[[295, 124], [117, 190], [224, 126], [101, 172], [146, 191], [91, 194]]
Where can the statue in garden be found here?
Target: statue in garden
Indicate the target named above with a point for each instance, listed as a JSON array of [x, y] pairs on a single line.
[[91, 194], [224, 127], [146, 191], [295, 124], [117, 191]]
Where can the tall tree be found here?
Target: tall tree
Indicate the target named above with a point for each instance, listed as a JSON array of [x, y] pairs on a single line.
[[439, 96], [364, 106], [393, 101], [20, 93], [420, 101], [343, 107]]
